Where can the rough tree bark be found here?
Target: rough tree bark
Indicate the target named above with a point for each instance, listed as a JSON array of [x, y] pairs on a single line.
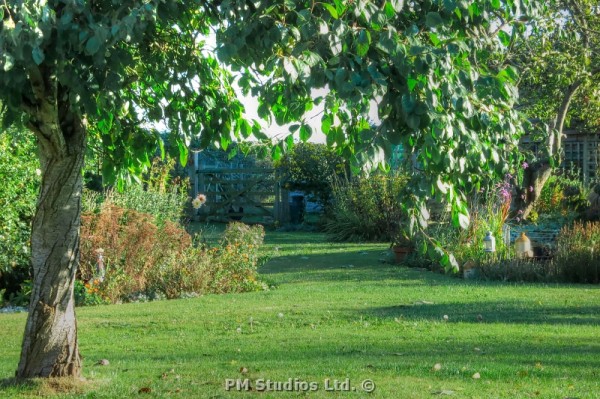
[[50, 347]]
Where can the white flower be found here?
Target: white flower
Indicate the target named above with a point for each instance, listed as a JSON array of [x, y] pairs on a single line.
[[199, 201]]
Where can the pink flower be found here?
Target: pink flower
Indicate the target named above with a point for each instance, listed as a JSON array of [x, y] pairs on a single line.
[[530, 189], [524, 165]]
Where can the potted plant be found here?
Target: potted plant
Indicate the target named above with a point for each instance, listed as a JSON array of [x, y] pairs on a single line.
[[402, 245]]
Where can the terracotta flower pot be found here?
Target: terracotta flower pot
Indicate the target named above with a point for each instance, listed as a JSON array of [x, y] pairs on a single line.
[[401, 252]]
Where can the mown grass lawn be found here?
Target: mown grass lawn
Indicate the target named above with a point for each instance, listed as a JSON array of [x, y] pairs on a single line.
[[338, 313]]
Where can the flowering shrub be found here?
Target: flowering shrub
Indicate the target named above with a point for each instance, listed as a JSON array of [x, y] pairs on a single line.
[[236, 262], [144, 260], [88, 293]]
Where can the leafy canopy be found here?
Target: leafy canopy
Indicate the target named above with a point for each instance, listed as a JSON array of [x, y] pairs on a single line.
[[434, 68], [122, 65]]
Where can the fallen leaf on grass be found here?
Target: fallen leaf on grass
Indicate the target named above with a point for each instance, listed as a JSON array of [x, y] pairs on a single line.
[[103, 362], [243, 370], [476, 376], [437, 367], [145, 390]]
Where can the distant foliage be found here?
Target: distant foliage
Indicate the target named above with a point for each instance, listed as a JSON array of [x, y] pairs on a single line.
[[577, 257], [160, 195], [20, 179], [366, 209], [313, 168], [564, 194]]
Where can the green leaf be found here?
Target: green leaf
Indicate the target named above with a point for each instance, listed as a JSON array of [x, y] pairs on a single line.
[[92, 46], [183, 152], [413, 121], [408, 103], [9, 62], [38, 55], [305, 132], [161, 145], [397, 5], [326, 122], [245, 129], [389, 10], [225, 141], [363, 43], [276, 153], [434, 39], [504, 38], [331, 10], [412, 83], [463, 220], [433, 19]]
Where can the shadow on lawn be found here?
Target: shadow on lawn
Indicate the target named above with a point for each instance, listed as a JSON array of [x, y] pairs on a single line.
[[514, 312], [335, 266]]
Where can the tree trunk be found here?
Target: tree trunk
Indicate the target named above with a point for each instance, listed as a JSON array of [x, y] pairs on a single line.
[[50, 347], [537, 174], [534, 178]]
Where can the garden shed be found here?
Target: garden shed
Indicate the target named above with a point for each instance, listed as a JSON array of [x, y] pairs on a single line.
[[237, 187]]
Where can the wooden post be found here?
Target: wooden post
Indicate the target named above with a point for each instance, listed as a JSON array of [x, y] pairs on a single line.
[[586, 160], [196, 191]]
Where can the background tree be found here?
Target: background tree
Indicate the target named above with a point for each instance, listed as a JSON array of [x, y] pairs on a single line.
[[68, 68], [313, 168], [560, 86]]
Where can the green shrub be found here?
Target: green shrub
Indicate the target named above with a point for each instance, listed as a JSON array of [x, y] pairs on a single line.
[[563, 195], [160, 195], [366, 209], [20, 179], [312, 168], [577, 257]]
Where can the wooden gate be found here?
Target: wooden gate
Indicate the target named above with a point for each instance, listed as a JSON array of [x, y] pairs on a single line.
[[242, 194]]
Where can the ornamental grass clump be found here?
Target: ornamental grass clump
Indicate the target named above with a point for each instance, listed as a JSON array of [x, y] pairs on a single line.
[[367, 209], [577, 257]]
